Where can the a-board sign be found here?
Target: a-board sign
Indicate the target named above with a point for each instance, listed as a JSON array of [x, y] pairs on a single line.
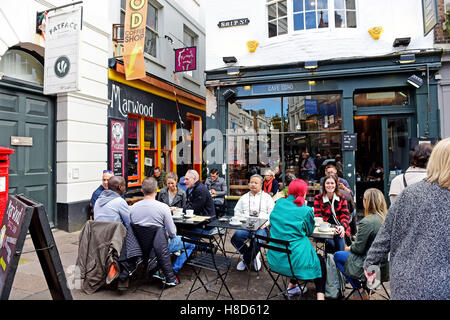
[[349, 142], [22, 215]]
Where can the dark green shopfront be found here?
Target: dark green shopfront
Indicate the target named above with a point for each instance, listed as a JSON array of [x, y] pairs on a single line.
[[271, 116]]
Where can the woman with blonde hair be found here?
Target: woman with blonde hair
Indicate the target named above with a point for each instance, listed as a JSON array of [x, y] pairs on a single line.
[[417, 235], [351, 261], [171, 195]]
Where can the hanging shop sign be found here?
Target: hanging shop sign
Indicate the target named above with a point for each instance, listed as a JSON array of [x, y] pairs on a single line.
[[62, 51], [233, 23], [430, 15], [185, 59], [134, 39]]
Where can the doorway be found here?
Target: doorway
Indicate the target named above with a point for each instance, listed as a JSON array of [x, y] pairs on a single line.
[[382, 151]]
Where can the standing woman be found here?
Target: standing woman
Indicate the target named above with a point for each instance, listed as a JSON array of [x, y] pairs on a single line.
[[351, 261], [332, 207], [171, 195], [292, 220], [417, 235]]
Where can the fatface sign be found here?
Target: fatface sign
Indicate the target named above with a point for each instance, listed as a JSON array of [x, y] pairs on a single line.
[[62, 51], [185, 59]]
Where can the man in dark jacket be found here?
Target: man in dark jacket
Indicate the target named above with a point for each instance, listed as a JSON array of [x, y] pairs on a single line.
[[198, 197]]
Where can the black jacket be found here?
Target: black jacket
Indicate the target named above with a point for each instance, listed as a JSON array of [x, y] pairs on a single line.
[[179, 200], [199, 199]]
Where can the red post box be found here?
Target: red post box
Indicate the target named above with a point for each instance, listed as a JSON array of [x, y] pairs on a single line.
[[4, 178]]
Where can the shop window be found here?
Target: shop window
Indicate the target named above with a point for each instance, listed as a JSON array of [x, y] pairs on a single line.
[[189, 40], [277, 17], [345, 13], [310, 14], [151, 31], [144, 151], [296, 125], [385, 98]]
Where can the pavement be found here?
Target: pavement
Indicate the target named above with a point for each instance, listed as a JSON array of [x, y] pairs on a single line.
[[29, 282]]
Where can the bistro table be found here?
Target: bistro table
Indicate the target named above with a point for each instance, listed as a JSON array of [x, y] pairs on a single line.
[[224, 223], [194, 221], [321, 237]]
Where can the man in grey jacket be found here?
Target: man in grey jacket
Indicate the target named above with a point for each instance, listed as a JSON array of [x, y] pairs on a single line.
[[110, 206], [216, 186]]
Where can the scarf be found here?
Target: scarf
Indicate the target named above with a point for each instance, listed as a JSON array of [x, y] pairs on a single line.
[[268, 185]]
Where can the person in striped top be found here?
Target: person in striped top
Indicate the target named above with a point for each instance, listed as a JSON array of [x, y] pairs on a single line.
[[332, 207]]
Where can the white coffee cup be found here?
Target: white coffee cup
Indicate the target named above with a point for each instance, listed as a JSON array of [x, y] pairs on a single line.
[[318, 220], [189, 213], [235, 219], [324, 226]]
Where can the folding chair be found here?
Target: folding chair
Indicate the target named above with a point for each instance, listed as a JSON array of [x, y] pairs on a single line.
[[370, 292], [206, 261], [285, 277]]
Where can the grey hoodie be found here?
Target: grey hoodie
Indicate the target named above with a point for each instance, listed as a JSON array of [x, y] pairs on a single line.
[[111, 207]]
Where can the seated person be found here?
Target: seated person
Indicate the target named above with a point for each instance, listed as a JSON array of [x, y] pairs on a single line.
[[342, 183], [160, 177], [171, 195], [110, 206], [351, 261], [149, 211], [216, 186], [332, 207], [270, 184], [376, 172], [254, 203], [292, 220], [107, 174]]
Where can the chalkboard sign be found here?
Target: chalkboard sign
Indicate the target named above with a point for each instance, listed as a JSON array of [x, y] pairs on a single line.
[[349, 142], [23, 215]]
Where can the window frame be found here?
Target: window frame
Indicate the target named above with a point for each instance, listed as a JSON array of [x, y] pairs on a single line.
[[271, 2]]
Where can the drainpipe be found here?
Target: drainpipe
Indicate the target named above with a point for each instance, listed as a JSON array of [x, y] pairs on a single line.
[[427, 132]]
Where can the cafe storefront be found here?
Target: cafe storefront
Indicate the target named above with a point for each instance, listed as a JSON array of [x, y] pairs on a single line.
[[273, 116], [148, 120]]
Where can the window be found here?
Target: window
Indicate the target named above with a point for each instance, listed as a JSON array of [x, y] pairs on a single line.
[[151, 31], [310, 14], [377, 99], [277, 17], [344, 13], [148, 149], [21, 65], [189, 40]]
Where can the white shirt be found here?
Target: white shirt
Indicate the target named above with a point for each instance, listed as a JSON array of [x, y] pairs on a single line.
[[413, 175], [261, 202]]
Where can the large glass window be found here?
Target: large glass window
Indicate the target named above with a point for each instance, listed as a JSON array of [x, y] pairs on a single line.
[[344, 13], [385, 98], [277, 17], [189, 40], [21, 65], [310, 14], [263, 133]]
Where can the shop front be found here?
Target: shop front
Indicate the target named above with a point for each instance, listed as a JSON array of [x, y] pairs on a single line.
[[360, 114], [152, 124]]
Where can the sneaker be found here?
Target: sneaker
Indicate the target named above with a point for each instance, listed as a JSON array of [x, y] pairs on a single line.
[[294, 291], [171, 284], [241, 266], [159, 275], [257, 262]]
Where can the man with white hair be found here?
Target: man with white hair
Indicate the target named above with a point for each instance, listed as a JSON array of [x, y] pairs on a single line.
[[198, 197]]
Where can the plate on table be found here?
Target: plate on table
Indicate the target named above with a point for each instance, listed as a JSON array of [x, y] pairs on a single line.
[[329, 229], [177, 217], [223, 219], [243, 219], [235, 223]]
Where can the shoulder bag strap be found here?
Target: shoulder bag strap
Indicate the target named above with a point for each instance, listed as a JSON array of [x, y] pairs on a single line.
[[404, 180]]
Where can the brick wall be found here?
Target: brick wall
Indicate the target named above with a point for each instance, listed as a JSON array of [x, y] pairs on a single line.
[[440, 35]]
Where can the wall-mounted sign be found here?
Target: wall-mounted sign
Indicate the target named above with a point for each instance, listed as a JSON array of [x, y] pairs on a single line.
[[349, 142], [185, 59], [22, 141], [62, 51], [233, 23], [430, 15], [311, 106], [117, 147], [273, 88]]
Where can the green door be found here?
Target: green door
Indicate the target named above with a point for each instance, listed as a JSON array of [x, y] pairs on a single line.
[[31, 172]]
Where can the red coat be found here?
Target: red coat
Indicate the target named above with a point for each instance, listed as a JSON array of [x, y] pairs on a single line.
[[323, 210]]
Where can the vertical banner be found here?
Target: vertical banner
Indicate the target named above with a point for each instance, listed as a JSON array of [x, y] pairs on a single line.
[[62, 51], [118, 147], [185, 59], [134, 39]]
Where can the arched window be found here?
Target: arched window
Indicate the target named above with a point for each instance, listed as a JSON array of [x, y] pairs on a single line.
[[21, 65]]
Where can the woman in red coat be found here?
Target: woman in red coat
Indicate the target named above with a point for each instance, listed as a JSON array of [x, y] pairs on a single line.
[[332, 207]]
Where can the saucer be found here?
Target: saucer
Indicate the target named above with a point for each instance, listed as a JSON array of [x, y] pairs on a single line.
[[188, 216], [235, 223], [325, 230], [177, 217]]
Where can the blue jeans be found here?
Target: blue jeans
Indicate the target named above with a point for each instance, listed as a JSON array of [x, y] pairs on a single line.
[[339, 258], [238, 241], [335, 244], [176, 244]]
